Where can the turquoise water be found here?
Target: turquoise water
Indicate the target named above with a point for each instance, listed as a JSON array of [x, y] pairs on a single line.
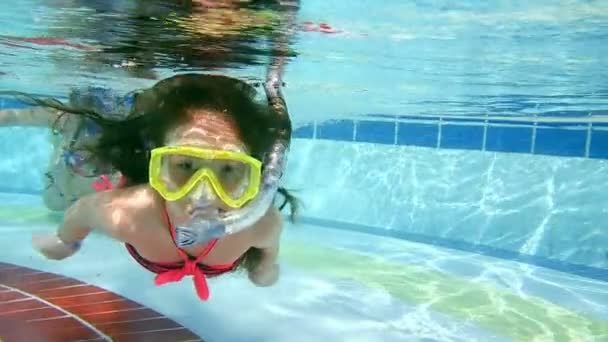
[[337, 284], [422, 57], [340, 285]]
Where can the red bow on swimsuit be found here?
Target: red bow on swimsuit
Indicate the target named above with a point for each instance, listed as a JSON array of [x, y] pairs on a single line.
[[190, 268], [194, 269]]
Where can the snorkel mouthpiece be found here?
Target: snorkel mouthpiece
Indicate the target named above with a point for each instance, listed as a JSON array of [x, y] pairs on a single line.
[[199, 229]]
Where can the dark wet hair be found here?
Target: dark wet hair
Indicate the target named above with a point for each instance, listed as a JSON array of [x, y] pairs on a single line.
[[125, 143]]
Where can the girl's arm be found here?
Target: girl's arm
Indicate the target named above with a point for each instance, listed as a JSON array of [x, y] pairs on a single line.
[[31, 116], [266, 237], [103, 211]]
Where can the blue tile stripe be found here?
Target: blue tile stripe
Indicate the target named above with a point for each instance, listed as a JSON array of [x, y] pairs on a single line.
[[555, 264], [379, 132], [566, 137], [343, 130]]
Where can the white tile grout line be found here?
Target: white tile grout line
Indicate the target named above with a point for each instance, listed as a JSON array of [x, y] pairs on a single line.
[[485, 136], [136, 320], [64, 287], [81, 294], [153, 331], [116, 300], [156, 330], [25, 310], [439, 125], [24, 299], [396, 137], [115, 311], [588, 140], [80, 320], [47, 318], [533, 142]]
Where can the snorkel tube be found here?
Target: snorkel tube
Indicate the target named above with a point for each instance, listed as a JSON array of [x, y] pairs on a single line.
[[200, 228]]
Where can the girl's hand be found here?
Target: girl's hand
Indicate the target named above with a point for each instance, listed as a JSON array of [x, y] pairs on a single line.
[[265, 276], [52, 247]]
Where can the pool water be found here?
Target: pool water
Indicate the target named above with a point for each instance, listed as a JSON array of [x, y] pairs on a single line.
[[447, 240], [341, 285]]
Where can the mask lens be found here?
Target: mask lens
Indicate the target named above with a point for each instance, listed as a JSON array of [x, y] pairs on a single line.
[[230, 176], [178, 170]]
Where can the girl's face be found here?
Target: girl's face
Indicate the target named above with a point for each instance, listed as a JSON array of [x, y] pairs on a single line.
[[209, 130]]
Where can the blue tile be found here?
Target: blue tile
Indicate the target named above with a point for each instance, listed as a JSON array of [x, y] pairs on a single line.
[[8, 102], [447, 120], [380, 115], [566, 113], [306, 132], [379, 132], [509, 139], [336, 130], [417, 134], [419, 117], [511, 122], [462, 137], [560, 142], [580, 125], [599, 144]]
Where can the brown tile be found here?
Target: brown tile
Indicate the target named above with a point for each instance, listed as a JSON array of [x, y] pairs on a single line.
[[37, 276], [42, 287], [64, 329], [14, 276], [68, 302], [5, 266], [22, 305], [173, 335], [26, 315], [125, 320], [12, 330], [138, 326], [98, 318], [105, 307], [9, 295], [80, 335], [145, 330], [63, 323], [67, 292]]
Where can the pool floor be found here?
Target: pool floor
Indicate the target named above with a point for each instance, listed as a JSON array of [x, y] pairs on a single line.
[[335, 286]]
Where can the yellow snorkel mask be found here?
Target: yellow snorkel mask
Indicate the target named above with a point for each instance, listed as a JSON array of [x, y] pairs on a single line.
[[175, 171]]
